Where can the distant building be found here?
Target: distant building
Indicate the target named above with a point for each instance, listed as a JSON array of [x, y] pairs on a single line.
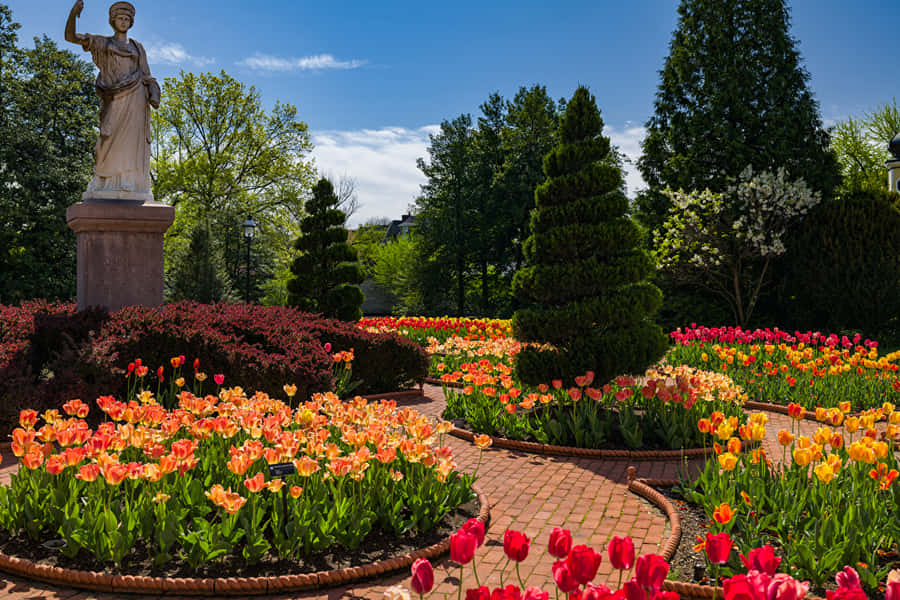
[[380, 301], [400, 227]]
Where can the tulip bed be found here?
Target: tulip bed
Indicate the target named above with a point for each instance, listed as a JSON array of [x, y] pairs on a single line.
[[809, 369], [192, 483], [660, 410], [421, 329], [834, 503], [575, 567]]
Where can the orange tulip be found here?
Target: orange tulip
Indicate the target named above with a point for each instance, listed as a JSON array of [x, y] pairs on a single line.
[[255, 483], [723, 513]]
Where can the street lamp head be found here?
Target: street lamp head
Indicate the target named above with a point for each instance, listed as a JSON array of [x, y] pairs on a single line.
[[249, 227]]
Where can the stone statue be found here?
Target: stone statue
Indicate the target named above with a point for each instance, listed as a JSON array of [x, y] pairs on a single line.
[[127, 91]]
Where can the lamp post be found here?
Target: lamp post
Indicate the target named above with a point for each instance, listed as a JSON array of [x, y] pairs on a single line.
[[249, 228]]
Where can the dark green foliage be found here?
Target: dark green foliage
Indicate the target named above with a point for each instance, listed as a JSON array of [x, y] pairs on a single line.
[[326, 273], [48, 117], [474, 211], [732, 93], [843, 266], [586, 270], [198, 272]]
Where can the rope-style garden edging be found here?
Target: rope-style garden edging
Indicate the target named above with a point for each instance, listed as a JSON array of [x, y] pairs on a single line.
[[226, 586]]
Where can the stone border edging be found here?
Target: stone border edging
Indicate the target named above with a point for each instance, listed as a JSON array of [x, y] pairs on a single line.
[[137, 584], [644, 488], [401, 394], [536, 448]]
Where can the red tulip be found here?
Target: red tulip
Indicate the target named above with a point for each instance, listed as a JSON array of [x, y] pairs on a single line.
[[785, 587], [596, 592], [534, 593], [847, 578], [762, 559], [663, 595], [583, 563], [563, 577], [650, 571], [846, 593], [476, 528], [560, 542], [422, 576], [893, 590], [462, 547], [718, 547], [515, 545], [219, 379], [482, 593], [633, 591], [510, 592], [739, 588], [621, 552]]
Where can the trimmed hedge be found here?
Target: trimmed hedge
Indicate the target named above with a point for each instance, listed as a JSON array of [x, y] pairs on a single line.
[[50, 354]]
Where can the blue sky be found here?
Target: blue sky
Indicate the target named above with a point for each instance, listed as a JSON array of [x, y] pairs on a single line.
[[373, 79]]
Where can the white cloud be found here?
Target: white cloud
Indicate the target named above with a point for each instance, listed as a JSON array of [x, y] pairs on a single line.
[[383, 163], [628, 139], [174, 54], [268, 62]]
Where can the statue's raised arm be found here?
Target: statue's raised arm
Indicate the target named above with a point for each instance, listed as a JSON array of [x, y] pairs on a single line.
[[127, 90], [71, 34]]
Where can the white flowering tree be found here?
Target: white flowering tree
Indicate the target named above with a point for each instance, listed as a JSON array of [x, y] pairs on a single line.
[[726, 242]]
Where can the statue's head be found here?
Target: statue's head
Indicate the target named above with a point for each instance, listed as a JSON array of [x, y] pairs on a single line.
[[121, 16]]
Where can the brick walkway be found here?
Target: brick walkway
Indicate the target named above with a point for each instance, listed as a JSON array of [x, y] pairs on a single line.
[[527, 492]]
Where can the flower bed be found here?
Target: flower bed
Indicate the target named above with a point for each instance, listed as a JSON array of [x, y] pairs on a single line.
[[48, 355], [440, 328], [192, 483], [659, 410], [809, 369], [833, 504]]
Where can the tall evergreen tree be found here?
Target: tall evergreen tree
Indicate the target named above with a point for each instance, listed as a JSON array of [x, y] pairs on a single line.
[[326, 273], [586, 270], [732, 94], [198, 272], [445, 215]]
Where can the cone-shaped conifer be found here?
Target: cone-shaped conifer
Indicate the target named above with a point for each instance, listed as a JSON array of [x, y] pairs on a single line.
[[586, 270]]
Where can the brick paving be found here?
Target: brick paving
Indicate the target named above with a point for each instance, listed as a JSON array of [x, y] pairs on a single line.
[[527, 492]]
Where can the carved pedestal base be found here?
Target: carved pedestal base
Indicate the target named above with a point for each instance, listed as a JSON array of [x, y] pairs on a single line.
[[120, 251]]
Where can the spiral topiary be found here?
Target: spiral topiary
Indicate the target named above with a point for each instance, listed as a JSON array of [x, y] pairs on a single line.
[[585, 273], [326, 273]]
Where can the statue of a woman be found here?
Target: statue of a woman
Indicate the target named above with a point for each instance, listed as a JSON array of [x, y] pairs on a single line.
[[126, 90]]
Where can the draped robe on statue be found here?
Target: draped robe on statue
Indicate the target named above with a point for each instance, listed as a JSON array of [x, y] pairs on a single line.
[[123, 148]]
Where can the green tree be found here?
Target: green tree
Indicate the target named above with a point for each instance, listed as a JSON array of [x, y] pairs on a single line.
[[861, 146], [445, 216], [732, 93], [396, 268], [726, 242], [532, 121], [219, 156], [586, 269], [48, 117], [199, 274], [326, 273]]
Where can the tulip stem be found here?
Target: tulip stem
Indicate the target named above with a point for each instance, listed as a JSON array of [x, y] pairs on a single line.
[[521, 584], [475, 570], [619, 585], [459, 592], [506, 564], [715, 579]]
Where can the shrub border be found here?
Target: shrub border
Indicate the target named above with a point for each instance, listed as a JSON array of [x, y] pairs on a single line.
[[138, 584]]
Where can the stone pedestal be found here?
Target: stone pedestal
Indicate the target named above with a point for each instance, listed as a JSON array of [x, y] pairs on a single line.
[[120, 251]]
